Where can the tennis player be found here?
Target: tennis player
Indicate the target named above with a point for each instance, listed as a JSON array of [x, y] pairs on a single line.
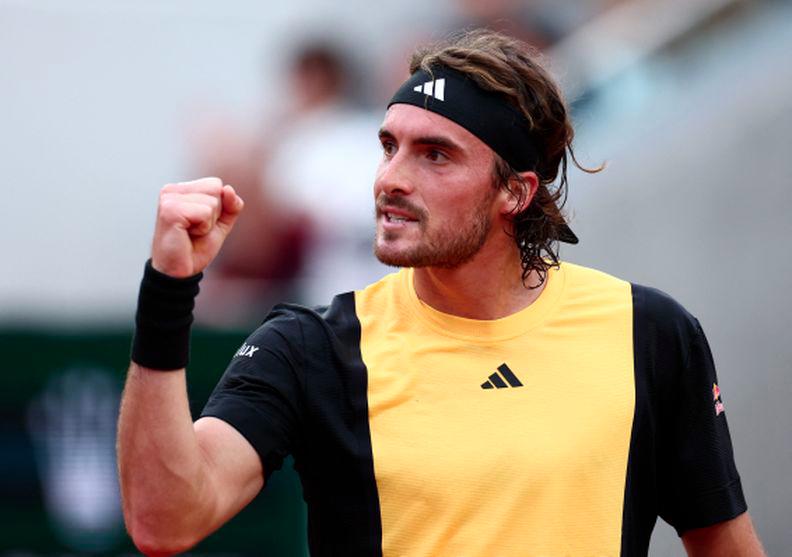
[[486, 399]]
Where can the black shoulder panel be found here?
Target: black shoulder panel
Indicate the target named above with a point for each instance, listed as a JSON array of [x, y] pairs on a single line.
[[681, 465], [299, 386], [337, 466]]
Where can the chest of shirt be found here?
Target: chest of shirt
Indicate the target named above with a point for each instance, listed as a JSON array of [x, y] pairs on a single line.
[[472, 436], [540, 403]]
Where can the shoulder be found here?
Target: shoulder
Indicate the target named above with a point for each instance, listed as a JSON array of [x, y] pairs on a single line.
[[658, 305], [389, 285], [306, 328], [297, 336], [588, 285], [668, 341], [297, 323], [649, 304], [589, 275], [657, 317], [659, 314]]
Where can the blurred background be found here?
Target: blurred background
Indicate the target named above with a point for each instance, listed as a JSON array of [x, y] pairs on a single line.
[[101, 103]]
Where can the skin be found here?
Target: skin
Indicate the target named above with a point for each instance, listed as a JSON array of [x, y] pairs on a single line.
[[732, 538], [443, 175], [181, 480]]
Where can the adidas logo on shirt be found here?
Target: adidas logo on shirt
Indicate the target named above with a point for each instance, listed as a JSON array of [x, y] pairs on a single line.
[[497, 380], [434, 88]]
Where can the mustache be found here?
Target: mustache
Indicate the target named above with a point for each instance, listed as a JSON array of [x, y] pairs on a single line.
[[399, 202]]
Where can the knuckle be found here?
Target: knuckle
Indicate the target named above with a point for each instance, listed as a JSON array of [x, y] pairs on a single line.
[[215, 184], [203, 216], [168, 208], [166, 197]]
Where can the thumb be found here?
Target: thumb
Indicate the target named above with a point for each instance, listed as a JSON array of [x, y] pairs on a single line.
[[232, 205]]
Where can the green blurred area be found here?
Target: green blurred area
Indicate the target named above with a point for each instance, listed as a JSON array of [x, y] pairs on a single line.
[[273, 524]]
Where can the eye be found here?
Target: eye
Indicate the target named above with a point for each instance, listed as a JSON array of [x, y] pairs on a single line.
[[388, 148], [436, 155]]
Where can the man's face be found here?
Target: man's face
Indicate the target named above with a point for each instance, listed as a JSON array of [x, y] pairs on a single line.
[[434, 191]]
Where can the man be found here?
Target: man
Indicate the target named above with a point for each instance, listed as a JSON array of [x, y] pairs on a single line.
[[485, 400]]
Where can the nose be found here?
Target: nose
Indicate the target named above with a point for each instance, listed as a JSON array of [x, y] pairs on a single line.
[[394, 176]]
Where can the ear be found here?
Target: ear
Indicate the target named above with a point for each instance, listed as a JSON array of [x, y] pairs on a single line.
[[521, 193]]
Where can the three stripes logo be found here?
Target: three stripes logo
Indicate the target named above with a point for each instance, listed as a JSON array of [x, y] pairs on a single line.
[[497, 380], [435, 88]]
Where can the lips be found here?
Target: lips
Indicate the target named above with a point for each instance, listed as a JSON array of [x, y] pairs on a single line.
[[398, 209], [396, 221], [397, 213], [397, 217]]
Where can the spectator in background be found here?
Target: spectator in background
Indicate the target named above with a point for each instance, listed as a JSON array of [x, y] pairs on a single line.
[[323, 162], [527, 21], [540, 23]]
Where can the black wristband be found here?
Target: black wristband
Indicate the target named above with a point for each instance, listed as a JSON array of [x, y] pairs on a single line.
[[163, 319]]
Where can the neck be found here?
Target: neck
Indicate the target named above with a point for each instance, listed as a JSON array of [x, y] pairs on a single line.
[[486, 287]]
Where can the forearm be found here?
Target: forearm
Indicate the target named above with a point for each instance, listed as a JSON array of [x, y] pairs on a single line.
[[735, 537], [169, 486], [165, 486]]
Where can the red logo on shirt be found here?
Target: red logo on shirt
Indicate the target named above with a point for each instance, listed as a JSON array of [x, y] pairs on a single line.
[[716, 397]]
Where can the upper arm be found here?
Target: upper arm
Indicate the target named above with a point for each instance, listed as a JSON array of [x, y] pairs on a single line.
[[688, 464], [732, 537], [258, 401], [233, 468], [697, 475], [249, 423]]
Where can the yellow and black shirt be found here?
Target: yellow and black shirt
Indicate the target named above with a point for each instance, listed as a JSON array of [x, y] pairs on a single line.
[[564, 429]]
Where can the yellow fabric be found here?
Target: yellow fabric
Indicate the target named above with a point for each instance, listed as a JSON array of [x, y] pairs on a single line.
[[532, 470]]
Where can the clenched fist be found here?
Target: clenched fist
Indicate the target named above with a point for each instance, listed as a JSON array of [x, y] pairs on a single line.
[[193, 220]]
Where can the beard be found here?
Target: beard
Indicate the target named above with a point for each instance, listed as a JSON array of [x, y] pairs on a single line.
[[447, 248]]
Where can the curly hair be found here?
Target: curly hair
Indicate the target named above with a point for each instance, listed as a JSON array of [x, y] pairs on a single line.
[[499, 63]]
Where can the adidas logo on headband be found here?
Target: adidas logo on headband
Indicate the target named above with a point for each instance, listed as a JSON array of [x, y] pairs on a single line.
[[434, 88]]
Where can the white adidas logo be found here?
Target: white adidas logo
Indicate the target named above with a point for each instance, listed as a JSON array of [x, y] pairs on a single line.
[[435, 88]]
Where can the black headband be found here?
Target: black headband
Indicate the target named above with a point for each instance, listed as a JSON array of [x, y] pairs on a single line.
[[485, 114]]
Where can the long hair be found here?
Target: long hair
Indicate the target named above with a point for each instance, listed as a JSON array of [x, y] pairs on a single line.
[[507, 66]]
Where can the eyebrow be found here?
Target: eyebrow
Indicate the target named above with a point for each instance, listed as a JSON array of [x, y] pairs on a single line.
[[430, 140]]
